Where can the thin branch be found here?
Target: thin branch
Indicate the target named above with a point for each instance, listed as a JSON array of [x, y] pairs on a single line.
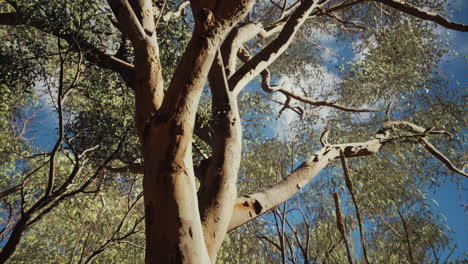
[[58, 143], [343, 5], [341, 226], [349, 185], [341, 20], [421, 134], [304, 99], [114, 239], [405, 227], [245, 56], [450, 253], [429, 147], [10, 190], [304, 250], [161, 13], [91, 53]]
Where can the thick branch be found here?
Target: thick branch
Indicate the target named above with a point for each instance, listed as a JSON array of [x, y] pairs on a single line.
[[420, 13], [251, 206], [128, 20], [136, 21], [169, 181]]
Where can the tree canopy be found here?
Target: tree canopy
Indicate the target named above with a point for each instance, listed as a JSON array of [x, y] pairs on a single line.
[[221, 131]]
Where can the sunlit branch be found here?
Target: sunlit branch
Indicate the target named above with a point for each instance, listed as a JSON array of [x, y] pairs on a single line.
[[180, 11], [251, 206], [342, 21]]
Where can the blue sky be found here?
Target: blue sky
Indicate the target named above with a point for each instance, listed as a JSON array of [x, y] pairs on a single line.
[[450, 198]]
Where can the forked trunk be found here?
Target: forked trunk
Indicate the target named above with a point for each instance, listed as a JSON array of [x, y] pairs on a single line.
[[173, 227]]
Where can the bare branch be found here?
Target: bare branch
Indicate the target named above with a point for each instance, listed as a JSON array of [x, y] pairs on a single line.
[[218, 183], [420, 13], [245, 56], [175, 14], [414, 128], [271, 52], [441, 157], [405, 227], [251, 206], [289, 94], [10, 190], [343, 5], [421, 134], [114, 238], [342, 21]]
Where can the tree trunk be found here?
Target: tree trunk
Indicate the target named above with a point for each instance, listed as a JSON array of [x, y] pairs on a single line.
[[173, 226], [174, 232]]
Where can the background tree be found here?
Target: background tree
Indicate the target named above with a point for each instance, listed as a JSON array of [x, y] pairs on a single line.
[[97, 60]]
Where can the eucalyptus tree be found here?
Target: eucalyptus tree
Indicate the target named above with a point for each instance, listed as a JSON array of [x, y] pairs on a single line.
[[97, 56]]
